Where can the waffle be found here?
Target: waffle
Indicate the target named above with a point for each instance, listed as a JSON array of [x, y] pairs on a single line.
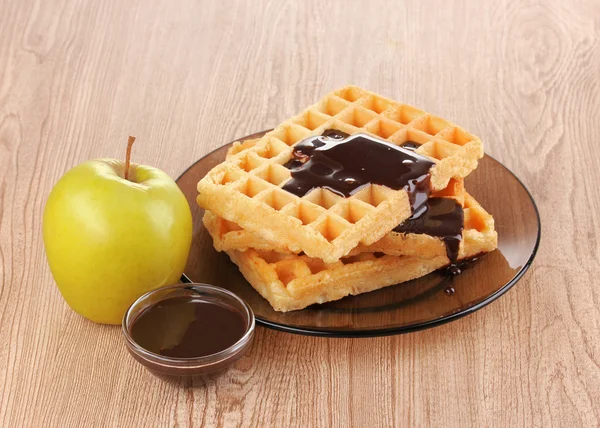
[[478, 231], [290, 282], [240, 146], [479, 236], [246, 188]]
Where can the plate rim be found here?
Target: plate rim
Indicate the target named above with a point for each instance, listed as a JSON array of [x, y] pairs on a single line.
[[389, 331]]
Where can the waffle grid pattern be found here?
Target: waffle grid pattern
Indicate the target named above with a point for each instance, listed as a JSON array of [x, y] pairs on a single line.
[[478, 231], [246, 188], [230, 236], [292, 282]]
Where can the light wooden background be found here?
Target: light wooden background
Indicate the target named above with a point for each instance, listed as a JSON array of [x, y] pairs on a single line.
[[77, 77]]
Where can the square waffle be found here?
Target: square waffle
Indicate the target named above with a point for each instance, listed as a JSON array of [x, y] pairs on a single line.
[[478, 230], [290, 282], [246, 188]]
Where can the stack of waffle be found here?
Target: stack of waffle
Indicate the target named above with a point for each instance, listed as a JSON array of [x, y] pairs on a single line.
[[355, 193]]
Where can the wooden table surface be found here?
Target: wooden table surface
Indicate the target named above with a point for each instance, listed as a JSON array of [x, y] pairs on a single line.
[[77, 77]]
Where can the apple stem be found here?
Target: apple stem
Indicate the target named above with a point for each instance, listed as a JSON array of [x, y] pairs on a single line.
[[130, 142]]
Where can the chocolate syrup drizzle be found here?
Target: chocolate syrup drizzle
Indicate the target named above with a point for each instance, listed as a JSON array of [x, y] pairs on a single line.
[[441, 217], [410, 145], [344, 164], [458, 267]]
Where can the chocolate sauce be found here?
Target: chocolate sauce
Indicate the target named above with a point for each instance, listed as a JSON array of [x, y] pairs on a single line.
[[456, 268], [410, 145], [453, 270], [449, 290], [441, 217], [336, 134], [345, 164], [185, 327]]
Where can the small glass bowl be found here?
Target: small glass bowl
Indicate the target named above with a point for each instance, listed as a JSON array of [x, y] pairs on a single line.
[[172, 367]]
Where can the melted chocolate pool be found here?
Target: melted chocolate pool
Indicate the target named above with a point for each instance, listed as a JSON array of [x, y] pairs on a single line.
[[345, 164], [184, 327]]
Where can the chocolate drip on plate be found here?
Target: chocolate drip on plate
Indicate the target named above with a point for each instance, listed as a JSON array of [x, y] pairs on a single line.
[[458, 267]]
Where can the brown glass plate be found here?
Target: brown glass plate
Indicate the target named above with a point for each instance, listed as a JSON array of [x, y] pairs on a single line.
[[426, 302]]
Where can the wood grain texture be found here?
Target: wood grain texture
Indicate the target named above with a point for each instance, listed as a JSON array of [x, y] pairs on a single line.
[[77, 77]]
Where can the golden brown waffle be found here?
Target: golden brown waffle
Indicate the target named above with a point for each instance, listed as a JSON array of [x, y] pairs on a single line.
[[246, 188], [291, 282], [479, 236], [239, 146], [478, 231]]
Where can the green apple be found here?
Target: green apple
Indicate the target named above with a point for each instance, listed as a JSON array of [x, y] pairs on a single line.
[[109, 239]]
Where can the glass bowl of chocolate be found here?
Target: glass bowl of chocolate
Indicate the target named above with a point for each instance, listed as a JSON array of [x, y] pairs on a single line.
[[188, 330]]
